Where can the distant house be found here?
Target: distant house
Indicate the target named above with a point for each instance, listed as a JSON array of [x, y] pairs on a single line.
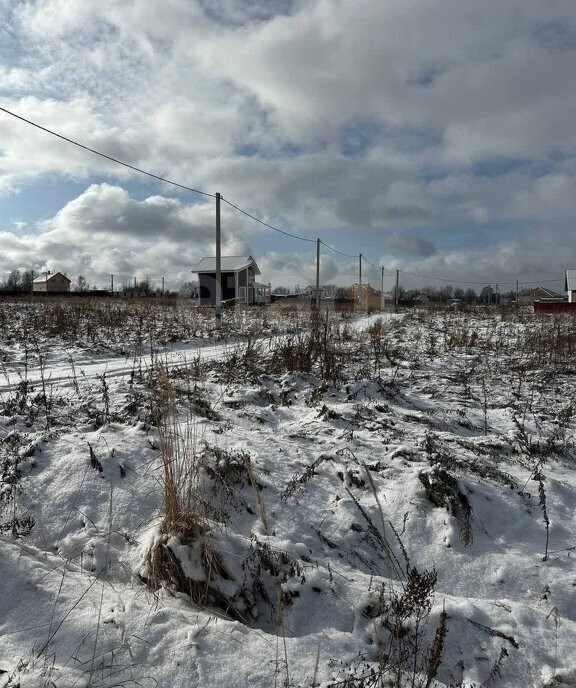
[[570, 285], [365, 297], [237, 277], [327, 291], [53, 282], [422, 298], [528, 296]]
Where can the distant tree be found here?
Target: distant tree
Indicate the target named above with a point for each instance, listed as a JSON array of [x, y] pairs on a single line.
[[144, 286], [459, 293], [13, 281], [446, 292], [470, 295], [487, 295], [187, 289], [82, 284], [26, 281], [281, 291]]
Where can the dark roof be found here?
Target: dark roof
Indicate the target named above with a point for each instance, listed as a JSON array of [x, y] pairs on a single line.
[[51, 275], [227, 264], [540, 293]]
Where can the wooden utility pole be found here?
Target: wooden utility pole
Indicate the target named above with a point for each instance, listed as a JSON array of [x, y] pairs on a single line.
[[218, 266], [396, 290], [382, 299], [111, 285], [318, 274], [360, 280], [162, 285]]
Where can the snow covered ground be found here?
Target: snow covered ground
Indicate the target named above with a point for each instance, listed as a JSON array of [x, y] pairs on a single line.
[[363, 502]]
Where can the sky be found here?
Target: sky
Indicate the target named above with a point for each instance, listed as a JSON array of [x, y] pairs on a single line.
[[434, 137]]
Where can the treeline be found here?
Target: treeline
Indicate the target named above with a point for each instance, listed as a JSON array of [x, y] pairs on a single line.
[[433, 293], [18, 282], [439, 294], [447, 292]]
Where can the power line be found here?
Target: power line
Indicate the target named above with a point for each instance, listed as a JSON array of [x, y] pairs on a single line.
[[346, 255], [442, 279], [459, 281], [378, 267], [244, 212], [107, 157], [256, 219]]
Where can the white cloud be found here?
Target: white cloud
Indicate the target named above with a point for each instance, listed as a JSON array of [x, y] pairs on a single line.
[[261, 101]]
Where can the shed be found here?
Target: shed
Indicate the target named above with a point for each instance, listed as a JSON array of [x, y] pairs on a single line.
[[53, 282], [237, 277]]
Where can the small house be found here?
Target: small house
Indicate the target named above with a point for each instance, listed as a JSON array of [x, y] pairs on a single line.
[[237, 279], [51, 282], [528, 296], [365, 297]]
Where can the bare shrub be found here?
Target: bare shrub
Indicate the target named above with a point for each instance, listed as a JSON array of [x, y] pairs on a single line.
[[443, 491]]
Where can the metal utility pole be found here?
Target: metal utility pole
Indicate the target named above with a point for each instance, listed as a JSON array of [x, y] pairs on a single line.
[[318, 274], [218, 266], [396, 290]]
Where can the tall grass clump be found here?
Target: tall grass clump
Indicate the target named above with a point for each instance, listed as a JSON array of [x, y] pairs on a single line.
[[182, 557], [183, 504]]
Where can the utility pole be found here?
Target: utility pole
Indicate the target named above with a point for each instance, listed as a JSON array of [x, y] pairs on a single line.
[[396, 290], [360, 280], [218, 266], [517, 290], [111, 285], [382, 299], [318, 274], [162, 285]]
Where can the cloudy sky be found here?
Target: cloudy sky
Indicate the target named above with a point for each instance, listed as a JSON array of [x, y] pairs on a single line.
[[433, 136]]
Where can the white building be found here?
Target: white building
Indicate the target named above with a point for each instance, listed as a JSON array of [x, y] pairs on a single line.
[[53, 282]]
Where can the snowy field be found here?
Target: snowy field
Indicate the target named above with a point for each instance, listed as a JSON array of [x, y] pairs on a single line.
[[341, 503]]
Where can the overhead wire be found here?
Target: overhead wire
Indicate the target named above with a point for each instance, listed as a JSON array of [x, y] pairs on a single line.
[[459, 281], [266, 224], [346, 255], [105, 156], [378, 267], [245, 212]]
